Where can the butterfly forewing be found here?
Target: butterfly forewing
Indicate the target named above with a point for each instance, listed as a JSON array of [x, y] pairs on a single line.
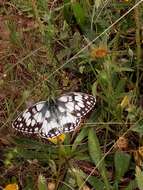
[[31, 119], [50, 119], [79, 104]]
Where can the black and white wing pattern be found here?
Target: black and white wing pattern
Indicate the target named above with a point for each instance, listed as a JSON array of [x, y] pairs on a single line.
[[30, 121], [50, 119], [77, 103]]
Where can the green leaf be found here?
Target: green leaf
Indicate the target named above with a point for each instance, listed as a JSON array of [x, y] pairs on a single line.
[[79, 175], [42, 185], [94, 88], [96, 183], [94, 149], [79, 138], [79, 13], [68, 13], [138, 128], [121, 161], [139, 178], [132, 185], [96, 156]]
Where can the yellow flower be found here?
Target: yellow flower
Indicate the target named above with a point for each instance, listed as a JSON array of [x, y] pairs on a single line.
[[98, 52], [57, 139], [12, 186]]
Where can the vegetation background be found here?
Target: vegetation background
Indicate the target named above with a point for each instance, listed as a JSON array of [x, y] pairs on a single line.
[[48, 47]]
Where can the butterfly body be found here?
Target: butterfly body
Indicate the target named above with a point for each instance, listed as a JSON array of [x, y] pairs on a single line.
[[49, 119]]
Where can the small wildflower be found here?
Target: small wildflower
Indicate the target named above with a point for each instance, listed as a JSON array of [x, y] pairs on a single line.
[[122, 143], [98, 52], [57, 139], [11, 186]]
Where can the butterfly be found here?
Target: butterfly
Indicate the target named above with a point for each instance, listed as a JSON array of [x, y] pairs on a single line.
[[49, 119]]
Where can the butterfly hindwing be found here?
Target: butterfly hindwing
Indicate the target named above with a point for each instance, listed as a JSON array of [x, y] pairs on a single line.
[[59, 123]]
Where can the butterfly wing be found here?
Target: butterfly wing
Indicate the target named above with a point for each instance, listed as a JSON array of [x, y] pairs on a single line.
[[65, 117], [30, 121], [70, 109], [76, 103], [58, 123], [50, 127]]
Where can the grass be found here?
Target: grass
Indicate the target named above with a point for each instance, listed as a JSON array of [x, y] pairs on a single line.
[[52, 47]]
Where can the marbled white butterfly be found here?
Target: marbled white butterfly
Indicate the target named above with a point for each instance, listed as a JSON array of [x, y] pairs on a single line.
[[49, 119]]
